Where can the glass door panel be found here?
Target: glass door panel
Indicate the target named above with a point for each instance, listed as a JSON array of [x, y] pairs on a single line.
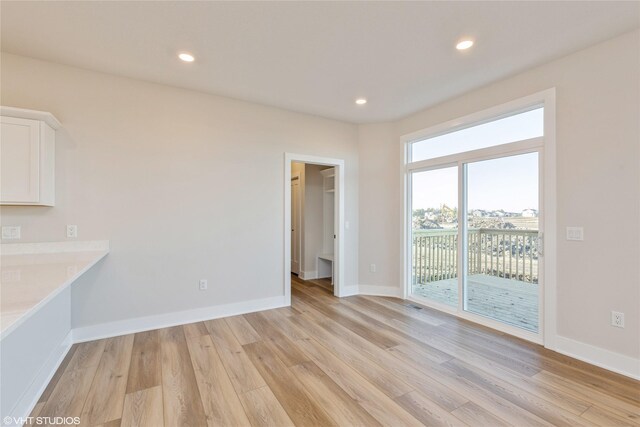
[[434, 248], [501, 277]]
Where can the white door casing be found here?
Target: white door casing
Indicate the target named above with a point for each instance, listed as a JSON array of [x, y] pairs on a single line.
[[296, 214]]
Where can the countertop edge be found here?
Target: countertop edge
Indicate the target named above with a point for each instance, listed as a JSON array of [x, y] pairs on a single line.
[[30, 312], [54, 247]]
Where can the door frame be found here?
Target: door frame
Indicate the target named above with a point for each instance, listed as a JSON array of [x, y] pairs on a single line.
[[339, 253], [547, 319]]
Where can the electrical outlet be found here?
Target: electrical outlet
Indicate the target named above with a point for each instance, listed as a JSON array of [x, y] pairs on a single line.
[[372, 268], [11, 232], [617, 319], [203, 285], [72, 231], [575, 233]]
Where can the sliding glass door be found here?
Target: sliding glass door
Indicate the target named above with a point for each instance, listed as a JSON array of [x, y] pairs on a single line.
[[501, 280], [475, 222], [434, 199]]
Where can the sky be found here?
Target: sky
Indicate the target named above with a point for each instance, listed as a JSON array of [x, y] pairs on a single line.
[[518, 127], [508, 183]]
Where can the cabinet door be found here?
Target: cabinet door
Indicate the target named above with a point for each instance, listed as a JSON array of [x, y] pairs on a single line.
[[19, 160]]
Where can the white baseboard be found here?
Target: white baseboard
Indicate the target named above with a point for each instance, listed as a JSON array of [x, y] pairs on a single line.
[[140, 324], [382, 291], [30, 397], [308, 275], [347, 291], [609, 360]]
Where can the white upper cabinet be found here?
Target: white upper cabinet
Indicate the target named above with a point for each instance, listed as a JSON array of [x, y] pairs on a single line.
[[27, 157]]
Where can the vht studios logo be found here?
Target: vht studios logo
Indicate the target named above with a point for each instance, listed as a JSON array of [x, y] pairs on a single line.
[[40, 421]]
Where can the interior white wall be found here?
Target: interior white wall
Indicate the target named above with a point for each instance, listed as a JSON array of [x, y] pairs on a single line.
[[313, 216], [598, 175], [297, 168], [185, 186], [381, 198]]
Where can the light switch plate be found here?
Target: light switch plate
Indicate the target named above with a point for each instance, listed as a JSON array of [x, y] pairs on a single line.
[[575, 233], [11, 232]]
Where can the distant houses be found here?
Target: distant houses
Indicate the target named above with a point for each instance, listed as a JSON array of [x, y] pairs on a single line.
[[445, 217]]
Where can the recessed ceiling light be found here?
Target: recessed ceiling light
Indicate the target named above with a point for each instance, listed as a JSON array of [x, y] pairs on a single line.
[[186, 57], [361, 101], [464, 44]]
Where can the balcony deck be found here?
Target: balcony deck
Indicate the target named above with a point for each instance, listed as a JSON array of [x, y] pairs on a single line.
[[510, 301]]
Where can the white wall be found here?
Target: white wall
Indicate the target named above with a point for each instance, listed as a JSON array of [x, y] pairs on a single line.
[[313, 216], [380, 196], [598, 153], [185, 186]]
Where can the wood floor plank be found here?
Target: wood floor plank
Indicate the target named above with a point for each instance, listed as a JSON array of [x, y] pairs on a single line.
[[113, 423], [56, 377], [602, 417], [263, 409], [143, 408], [384, 409], [420, 333], [442, 395], [477, 416], [69, 394], [243, 375], [195, 330], [368, 330], [87, 354], [344, 410], [282, 345], [398, 335], [244, 332], [181, 398], [373, 308], [529, 384], [627, 410], [279, 319], [145, 370], [110, 380], [221, 403], [303, 410], [510, 412], [427, 411], [383, 379], [320, 294], [480, 357], [543, 409], [593, 378], [431, 317], [37, 408], [287, 311]]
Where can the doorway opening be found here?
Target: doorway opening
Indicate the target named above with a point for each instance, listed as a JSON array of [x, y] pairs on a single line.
[[314, 221]]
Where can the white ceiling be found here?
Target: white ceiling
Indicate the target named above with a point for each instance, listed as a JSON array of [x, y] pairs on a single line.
[[314, 57]]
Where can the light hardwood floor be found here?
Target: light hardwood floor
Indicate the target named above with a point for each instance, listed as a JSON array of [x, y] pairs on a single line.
[[357, 361]]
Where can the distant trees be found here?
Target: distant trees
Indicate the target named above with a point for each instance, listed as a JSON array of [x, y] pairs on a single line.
[[446, 217]]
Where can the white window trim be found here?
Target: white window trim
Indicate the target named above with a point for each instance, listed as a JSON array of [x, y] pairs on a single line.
[[547, 99]]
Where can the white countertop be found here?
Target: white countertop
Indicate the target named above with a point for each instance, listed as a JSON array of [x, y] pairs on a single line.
[[31, 274]]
